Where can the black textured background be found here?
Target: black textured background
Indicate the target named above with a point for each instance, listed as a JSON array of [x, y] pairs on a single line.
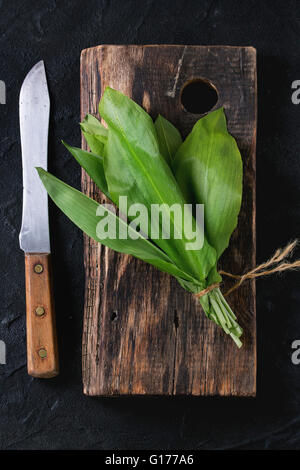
[[55, 414]]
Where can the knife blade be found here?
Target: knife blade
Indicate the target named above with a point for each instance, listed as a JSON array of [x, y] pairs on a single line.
[[34, 111]]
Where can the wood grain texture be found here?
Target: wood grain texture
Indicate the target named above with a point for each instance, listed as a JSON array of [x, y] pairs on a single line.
[[42, 352], [143, 334]]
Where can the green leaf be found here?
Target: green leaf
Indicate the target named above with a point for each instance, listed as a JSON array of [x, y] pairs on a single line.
[[134, 168], [169, 138], [93, 165], [83, 212], [95, 134], [96, 145], [93, 126], [208, 168]]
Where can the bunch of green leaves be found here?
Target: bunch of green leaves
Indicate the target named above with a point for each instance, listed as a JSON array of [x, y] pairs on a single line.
[[150, 164]]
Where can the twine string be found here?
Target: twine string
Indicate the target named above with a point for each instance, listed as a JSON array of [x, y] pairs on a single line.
[[271, 266], [207, 290]]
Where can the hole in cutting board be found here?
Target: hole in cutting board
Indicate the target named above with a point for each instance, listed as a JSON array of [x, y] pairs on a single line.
[[198, 96], [114, 316]]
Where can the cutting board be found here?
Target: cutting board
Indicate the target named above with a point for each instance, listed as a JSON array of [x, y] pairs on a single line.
[[143, 334]]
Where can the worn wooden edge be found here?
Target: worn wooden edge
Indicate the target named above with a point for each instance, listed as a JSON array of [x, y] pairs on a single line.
[[253, 282], [215, 46]]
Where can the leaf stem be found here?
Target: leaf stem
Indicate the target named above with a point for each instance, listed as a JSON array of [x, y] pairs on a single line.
[[217, 309]]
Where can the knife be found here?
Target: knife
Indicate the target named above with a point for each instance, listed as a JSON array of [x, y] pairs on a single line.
[[34, 108]]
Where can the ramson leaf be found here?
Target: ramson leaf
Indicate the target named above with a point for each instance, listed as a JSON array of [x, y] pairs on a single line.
[[92, 164], [169, 138], [83, 212], [208, 168], [134, 168], [96, 145], [92, 125], [130, 159], [95, 134]]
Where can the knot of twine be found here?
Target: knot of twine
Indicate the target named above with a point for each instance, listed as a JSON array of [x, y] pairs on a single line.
[[273, 265]]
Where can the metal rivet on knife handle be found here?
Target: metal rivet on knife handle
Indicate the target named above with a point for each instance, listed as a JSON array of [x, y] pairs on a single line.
[[38, 268], [42, 353], [40, 311]]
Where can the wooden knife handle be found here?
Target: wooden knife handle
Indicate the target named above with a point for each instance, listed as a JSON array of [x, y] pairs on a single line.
[[42, 351]]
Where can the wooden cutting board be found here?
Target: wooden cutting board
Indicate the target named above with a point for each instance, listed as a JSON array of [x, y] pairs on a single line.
[[143, 334]]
